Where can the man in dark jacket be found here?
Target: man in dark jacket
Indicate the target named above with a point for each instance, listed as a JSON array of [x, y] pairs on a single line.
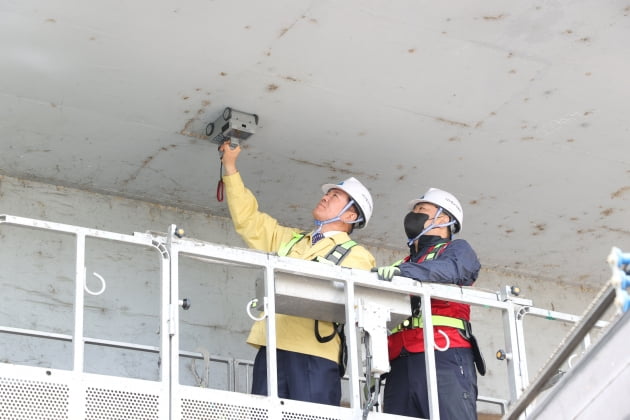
[[434, 257]]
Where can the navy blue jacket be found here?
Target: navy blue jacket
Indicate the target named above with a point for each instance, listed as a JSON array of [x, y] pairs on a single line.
[[457, 264]]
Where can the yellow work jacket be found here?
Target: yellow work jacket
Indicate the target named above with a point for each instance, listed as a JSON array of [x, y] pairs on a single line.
[[261, 231]]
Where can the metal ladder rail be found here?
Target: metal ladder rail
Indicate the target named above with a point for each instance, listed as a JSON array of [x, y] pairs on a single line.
[[592, 315], [613, 292]]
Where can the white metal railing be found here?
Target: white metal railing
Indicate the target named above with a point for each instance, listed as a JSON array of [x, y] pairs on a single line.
[[353, 280], [368, 303], [84, 391]]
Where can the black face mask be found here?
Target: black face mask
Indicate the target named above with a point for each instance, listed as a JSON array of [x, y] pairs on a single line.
[[414, 224]]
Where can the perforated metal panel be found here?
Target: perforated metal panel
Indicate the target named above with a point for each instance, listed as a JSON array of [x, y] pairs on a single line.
[[301, 416], [207, 410], [107, 404], [21, 399]]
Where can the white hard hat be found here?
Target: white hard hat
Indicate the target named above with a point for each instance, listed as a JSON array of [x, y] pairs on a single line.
[[447, 201], [361, 196]]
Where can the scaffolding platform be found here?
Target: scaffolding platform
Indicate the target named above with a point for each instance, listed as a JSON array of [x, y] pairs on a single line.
[[354, 297]]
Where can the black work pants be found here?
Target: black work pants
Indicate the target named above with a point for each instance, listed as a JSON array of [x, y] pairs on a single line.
[[300, 377], [406, 386]]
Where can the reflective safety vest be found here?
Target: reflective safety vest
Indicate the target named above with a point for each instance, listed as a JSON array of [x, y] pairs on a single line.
[[334, 257]]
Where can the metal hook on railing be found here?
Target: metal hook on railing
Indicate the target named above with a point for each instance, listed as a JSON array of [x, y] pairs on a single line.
[[87, 289], [252, 304], [448, 342]]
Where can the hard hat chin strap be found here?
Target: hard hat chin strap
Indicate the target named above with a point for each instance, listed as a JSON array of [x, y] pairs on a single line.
[[320, 223], [431, 226]]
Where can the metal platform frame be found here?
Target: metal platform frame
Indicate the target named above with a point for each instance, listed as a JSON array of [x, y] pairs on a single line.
[[85, 395]]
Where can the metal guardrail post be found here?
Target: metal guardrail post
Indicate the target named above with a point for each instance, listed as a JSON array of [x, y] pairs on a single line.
[[429, 355], [77, 335], [353, 347], [270, 311]]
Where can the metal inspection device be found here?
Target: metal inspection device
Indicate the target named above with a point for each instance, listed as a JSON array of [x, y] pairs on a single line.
[[232, 125]]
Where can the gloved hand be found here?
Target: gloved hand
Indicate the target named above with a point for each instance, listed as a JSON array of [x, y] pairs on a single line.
[[387, 272]]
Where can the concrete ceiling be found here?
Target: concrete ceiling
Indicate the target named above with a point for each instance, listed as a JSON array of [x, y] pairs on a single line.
[[518, 108]]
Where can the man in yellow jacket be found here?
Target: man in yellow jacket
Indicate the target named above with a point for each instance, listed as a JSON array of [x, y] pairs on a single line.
[[308, 350]]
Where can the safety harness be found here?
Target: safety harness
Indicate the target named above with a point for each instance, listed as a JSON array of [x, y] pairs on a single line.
[[334, 257], [415, 321], [438, 321]]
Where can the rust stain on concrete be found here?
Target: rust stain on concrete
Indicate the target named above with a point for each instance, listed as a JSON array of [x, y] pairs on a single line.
[[620, 192], [147, 161], [451, 122], [188, 129], [497, 17], [327, 165]]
